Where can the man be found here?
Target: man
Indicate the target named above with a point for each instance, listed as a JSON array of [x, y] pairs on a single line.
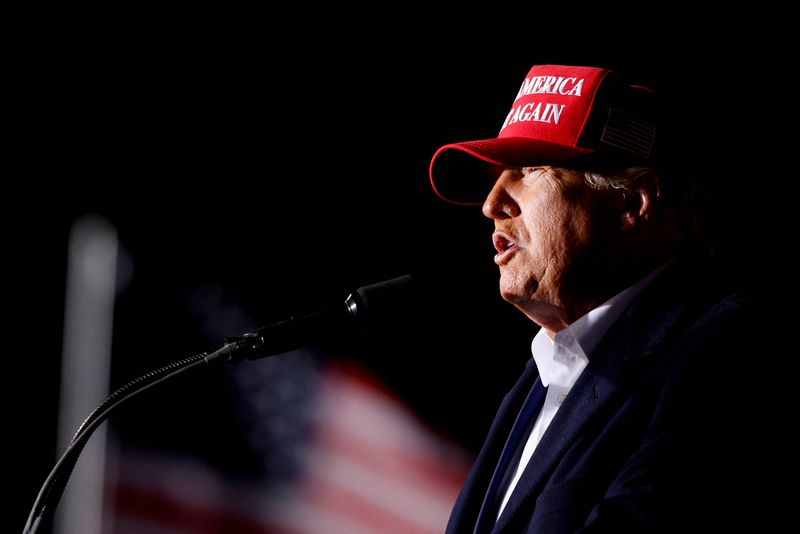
[[629, 416]]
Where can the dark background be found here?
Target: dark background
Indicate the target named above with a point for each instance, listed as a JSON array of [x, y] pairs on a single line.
[[291, 170]]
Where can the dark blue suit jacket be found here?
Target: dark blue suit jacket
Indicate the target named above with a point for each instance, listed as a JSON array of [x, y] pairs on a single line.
[[659, 433]]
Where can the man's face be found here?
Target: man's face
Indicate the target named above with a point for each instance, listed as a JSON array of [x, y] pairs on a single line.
[[555, 238]]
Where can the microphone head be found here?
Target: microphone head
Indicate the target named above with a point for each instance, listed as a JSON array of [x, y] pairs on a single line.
[[383, 301]]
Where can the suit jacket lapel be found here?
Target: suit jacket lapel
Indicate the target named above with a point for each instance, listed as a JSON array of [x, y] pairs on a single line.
[[468, 504], [615, 363]]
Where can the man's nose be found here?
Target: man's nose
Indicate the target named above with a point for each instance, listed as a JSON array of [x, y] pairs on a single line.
[[499, 203]]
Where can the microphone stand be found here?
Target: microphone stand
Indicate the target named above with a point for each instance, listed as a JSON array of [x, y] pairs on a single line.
[[234, 350], [358, 309]]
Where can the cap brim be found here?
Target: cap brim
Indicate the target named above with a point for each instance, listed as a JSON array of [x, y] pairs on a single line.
[[461, 172]]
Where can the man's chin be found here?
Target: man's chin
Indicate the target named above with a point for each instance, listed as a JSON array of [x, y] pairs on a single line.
[[513, 293]]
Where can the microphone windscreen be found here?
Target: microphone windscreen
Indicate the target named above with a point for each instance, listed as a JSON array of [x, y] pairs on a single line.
[[385, 300]]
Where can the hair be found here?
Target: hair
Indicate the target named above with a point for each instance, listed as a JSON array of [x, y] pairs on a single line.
[[623, 179], [677, 193]]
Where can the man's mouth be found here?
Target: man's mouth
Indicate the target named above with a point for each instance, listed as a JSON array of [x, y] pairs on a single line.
[[505, 246]]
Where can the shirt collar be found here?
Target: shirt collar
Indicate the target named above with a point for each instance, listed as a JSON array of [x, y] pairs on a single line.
[[581, 337]]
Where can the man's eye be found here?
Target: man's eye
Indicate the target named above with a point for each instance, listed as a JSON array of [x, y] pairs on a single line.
[[531, 173]]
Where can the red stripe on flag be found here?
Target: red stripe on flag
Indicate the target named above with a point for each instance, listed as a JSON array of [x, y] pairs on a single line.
[[339, 501], [149, 506]]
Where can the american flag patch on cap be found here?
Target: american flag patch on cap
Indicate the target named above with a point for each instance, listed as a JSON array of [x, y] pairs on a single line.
[[628, 133]]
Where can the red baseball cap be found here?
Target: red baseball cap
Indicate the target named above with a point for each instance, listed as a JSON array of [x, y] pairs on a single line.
[[561, 114]]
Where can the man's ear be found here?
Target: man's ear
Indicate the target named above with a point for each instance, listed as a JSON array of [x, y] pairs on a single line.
[[641, 200]]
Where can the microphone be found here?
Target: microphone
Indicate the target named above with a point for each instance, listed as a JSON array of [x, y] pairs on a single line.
[[367, 306]]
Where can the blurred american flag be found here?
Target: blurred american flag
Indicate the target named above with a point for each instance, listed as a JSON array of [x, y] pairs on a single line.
[[343, 455]]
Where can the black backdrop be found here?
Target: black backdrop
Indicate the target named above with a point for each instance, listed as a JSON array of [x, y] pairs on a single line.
[[290, 173]]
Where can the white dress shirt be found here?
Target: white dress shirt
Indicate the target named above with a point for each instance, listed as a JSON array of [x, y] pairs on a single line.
[[561, 360]]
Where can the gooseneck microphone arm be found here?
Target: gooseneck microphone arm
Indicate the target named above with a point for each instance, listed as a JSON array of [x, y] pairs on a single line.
[[368, 305], [53, 487]]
